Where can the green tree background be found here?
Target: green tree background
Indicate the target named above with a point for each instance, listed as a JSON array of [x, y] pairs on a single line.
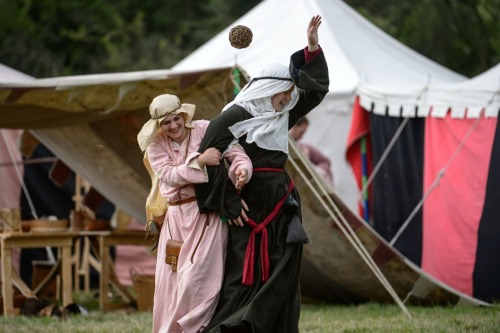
[[46, 38]]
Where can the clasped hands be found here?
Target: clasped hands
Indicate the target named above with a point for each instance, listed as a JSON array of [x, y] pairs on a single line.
[[212, 156]]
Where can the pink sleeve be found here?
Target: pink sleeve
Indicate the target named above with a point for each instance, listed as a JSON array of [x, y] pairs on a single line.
[[238, 159], [318, 158], [171, 174], [322, 162], [310, 55]]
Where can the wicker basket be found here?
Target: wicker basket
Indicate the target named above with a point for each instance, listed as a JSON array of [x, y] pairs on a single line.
[[49, 225], [144, 287]]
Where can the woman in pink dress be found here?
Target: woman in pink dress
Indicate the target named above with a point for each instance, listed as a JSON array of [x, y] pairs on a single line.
[[185, 300]]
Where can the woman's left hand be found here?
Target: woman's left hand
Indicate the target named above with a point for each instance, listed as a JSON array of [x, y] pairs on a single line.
[[242, 178], [239, 221], [312, 33]]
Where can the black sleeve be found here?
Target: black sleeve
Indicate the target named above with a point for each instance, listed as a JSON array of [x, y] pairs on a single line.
[[312, 80], [219, 194], [218, 134]]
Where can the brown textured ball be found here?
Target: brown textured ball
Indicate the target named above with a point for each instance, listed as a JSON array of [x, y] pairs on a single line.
[[240, 36]]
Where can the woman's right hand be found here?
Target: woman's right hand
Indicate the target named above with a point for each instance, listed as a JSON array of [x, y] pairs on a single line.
[[211, 156]]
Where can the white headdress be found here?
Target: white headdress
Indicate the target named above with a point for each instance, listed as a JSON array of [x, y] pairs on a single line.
[[269, 128]]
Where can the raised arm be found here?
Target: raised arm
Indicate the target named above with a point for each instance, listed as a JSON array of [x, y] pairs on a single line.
[[309, 71], [312, 33]]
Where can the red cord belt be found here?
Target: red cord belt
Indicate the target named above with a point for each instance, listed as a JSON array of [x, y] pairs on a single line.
[[248, 268]]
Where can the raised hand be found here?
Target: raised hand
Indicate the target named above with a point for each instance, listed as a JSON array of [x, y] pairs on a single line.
[[312, 33]]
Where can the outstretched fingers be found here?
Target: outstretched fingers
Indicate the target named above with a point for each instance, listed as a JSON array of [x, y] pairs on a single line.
[[312, 33], [314, 23]]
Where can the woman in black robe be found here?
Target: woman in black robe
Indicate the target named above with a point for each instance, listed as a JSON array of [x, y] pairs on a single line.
[[261, 291]]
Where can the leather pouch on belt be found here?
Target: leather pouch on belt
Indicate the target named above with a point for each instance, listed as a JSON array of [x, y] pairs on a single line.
[[172, 254]]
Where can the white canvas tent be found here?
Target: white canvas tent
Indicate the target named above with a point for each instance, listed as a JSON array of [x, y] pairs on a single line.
[[86, 114], [463, 99], [357, 52], [9, 177], [8, 74]]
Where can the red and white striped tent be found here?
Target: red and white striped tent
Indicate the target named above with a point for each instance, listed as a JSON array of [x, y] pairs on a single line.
[[434, 154]]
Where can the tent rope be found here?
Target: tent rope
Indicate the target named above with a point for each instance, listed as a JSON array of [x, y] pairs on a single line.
[[435, 183], [39, 160], [391, 144], [18, 173], [441, 172], [383, 157], [343, 224], [10, 150]]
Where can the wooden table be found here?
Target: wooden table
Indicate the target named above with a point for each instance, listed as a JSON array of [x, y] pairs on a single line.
[[10, 240], [102, 241]]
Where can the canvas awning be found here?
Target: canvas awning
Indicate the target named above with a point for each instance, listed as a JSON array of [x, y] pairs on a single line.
[[467, 99], [63, 101], [91, 122]]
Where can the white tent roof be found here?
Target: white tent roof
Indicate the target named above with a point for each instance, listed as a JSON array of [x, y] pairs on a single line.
[[466, 99], [356, 50], [8, 74], [69, 82], [357, 53]]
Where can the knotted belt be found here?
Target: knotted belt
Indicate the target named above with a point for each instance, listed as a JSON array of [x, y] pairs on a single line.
[[248, 268]]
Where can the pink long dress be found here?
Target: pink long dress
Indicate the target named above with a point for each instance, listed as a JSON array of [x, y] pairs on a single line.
[[185, 301]]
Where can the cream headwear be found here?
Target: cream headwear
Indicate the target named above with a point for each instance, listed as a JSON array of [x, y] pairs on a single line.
[[161, 107]]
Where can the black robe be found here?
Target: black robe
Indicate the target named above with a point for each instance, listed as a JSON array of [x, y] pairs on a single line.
[[274, 305]]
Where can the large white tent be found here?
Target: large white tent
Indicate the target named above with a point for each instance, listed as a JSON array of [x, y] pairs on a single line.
[[465, 99], [357, 53]]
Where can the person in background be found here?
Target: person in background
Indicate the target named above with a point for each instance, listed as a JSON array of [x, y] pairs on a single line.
[[186, 292], [261, 290], [320, 161]]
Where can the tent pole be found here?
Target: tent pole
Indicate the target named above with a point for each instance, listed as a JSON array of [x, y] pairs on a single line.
[[345, 227], [236, 81], [20, 177], [364, 179], [10, 149], [384, 156]]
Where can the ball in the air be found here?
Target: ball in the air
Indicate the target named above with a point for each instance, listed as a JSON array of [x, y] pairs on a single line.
[[240, 36]]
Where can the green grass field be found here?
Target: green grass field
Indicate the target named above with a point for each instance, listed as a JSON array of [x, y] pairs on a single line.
[[315, 318]]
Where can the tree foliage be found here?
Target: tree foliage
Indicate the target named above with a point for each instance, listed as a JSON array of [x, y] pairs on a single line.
[[47, 38], [463, 35], [53, 38]]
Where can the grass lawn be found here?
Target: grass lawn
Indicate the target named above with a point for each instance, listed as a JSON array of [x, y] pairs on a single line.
[[315, 318]]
